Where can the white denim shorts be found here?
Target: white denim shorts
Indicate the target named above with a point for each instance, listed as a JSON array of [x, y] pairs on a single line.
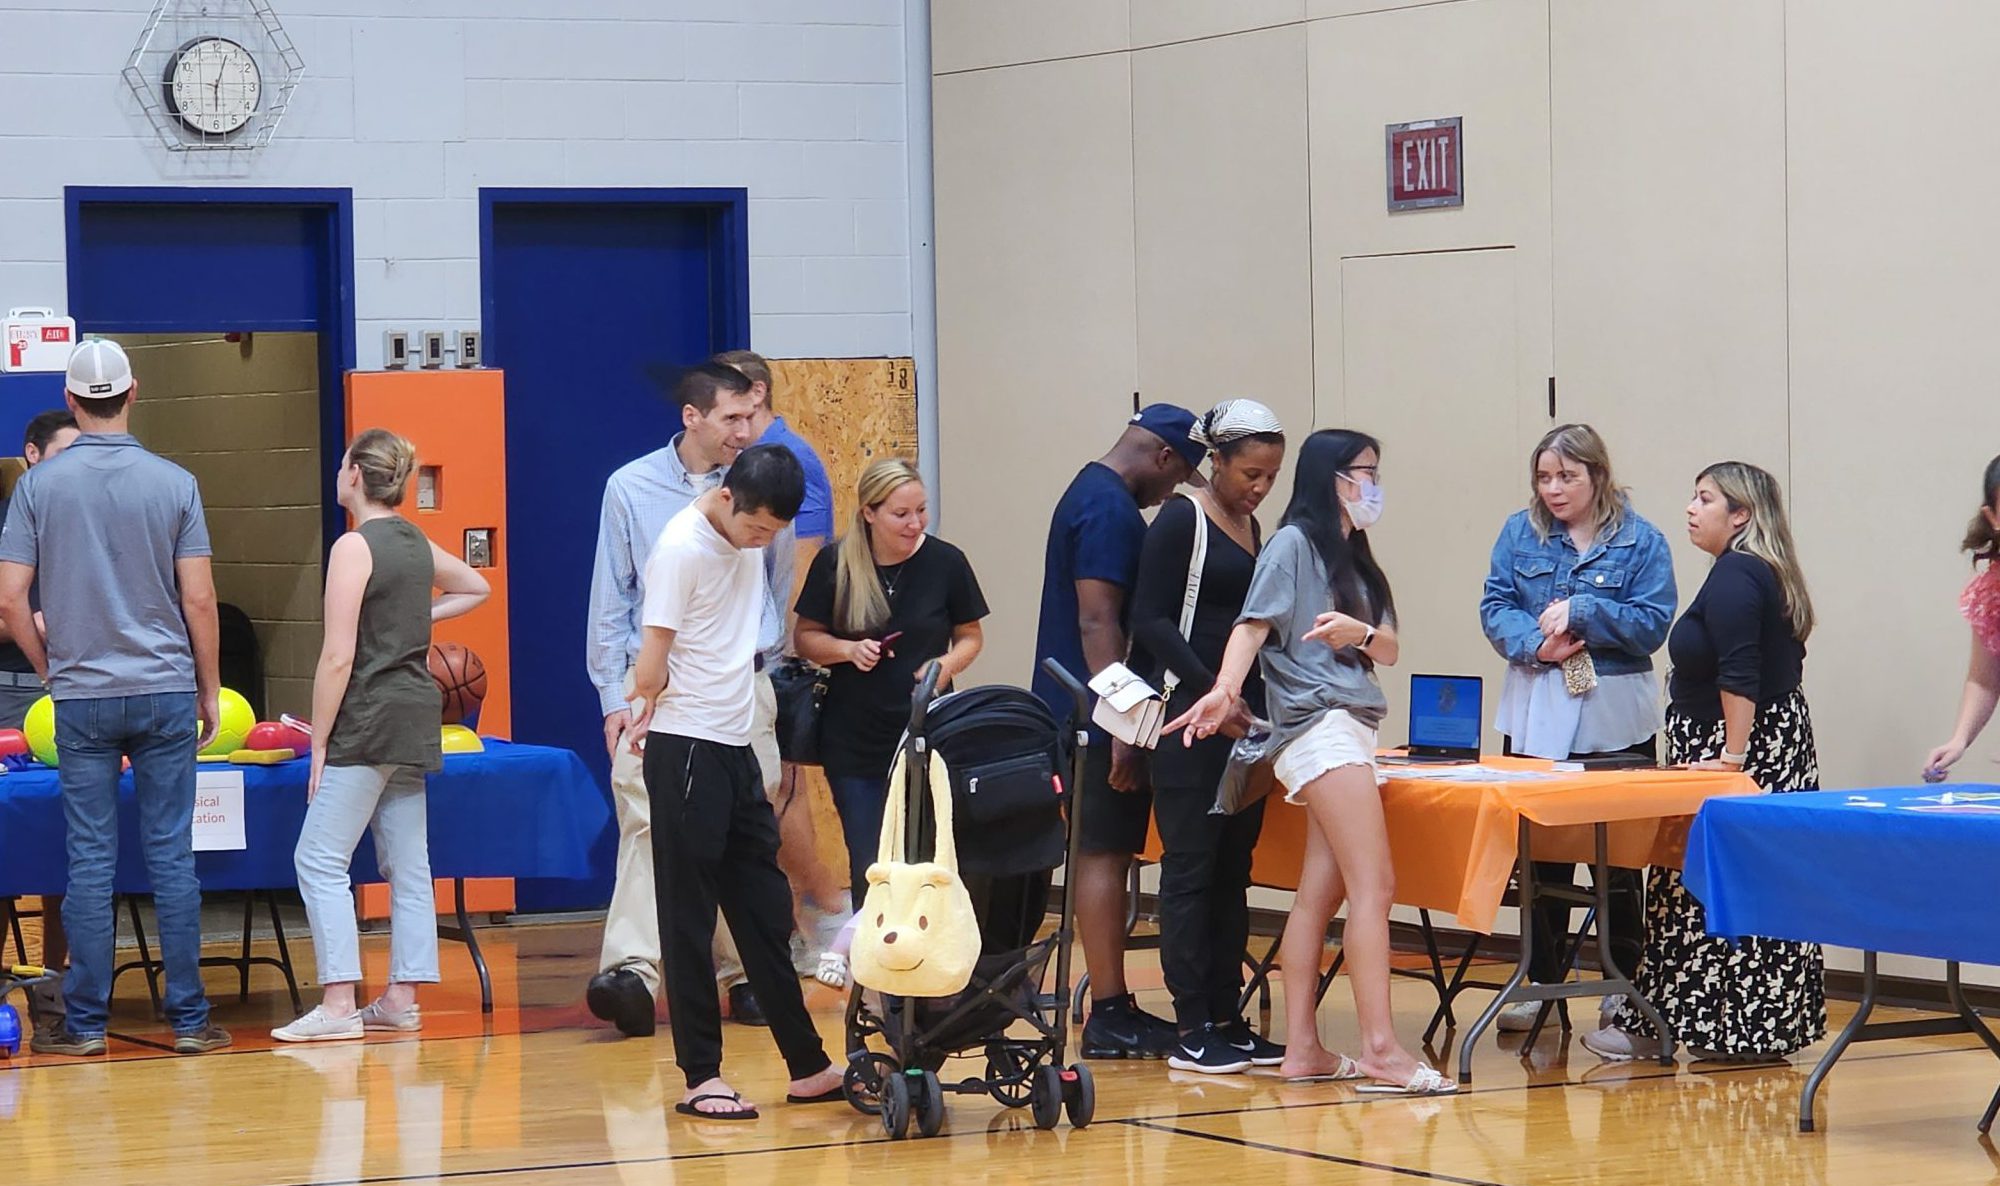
[[1337, 740]]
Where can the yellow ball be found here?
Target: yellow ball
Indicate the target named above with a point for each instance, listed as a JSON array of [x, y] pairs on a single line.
[[40, 730], [237, 720], [457, 739]]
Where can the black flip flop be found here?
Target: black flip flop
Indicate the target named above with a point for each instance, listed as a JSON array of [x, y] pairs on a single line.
[[688, 1107], [830, 1095]]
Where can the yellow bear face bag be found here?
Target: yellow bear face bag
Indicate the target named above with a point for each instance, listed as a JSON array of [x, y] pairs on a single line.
[[918, 935]]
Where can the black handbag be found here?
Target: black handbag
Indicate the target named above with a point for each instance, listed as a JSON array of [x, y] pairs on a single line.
[[801, 693]]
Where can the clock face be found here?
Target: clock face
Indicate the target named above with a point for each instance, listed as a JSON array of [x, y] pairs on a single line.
[[213, 85]]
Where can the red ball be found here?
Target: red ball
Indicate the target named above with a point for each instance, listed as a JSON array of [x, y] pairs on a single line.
[[461, 678], [268, 735], [12, 741]]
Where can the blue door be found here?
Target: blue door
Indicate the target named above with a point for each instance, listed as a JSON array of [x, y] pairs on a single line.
[[587, 293]]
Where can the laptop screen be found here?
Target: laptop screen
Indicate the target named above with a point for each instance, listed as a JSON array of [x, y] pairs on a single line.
[[1445, 712]]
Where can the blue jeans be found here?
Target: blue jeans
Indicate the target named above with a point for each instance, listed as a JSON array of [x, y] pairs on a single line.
[[158, 732], [860, 802]]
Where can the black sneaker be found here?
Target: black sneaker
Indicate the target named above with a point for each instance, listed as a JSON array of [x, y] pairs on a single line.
[[743, 1006], [621, 998], [1208, 1051], [201, 1041], [1121, 1029], [59, 1040], [1260, 1050]]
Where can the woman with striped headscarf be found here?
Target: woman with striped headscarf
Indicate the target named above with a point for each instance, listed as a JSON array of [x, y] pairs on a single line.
[[1193, 574]]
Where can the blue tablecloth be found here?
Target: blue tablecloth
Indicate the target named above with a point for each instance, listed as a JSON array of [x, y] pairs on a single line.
[[1913, 876], [512, 811]]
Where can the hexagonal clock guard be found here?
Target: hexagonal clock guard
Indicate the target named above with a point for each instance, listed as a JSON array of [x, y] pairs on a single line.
[[251, 24]]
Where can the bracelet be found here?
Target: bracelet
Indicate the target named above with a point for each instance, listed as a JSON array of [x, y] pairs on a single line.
[[1729, 759]]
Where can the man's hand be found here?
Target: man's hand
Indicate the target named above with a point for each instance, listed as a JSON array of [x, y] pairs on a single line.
[[615, 725], [641, 719], [209, 710], [1128, 767]]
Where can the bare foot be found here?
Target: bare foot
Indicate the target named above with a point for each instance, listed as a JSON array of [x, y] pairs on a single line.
[[728, 1103], [820, 1084], [1391, 1066], [1313, 1064]]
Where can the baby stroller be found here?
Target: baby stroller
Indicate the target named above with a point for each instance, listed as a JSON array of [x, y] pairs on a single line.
[[1007, 756], [26, 978]]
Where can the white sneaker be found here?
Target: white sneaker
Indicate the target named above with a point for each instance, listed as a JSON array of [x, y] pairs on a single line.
[[377, 1019], [1615, 1045], [1608, 1010], [832, 970], [1519, 1017], [317, 1026]]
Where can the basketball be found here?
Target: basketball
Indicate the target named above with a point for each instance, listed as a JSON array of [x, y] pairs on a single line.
[[461, 677]]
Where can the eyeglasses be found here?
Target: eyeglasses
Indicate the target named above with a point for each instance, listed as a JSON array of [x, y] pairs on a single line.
[[1354, 473]]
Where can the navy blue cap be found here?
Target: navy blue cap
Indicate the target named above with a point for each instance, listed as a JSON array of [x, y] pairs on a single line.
[[1174, 425]]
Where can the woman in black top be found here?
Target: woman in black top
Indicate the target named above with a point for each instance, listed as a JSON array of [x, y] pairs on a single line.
[[1734, 704], [875, 610], [1205, 869]]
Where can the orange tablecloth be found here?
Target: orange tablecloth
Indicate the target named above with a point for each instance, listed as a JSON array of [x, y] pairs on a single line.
[[1455, 843]]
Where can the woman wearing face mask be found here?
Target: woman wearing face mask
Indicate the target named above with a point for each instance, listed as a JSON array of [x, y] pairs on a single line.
[[876, 609], [1317, 620], [1579, 596], [1738, 654], [1205, 869], [1980, 603]]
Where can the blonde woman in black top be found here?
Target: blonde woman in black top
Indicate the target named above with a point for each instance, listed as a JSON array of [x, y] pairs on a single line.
[[376, 711]]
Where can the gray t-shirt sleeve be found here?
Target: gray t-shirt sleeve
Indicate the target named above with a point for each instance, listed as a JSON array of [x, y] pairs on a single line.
[[20, 540], [193, 538], [1274, 584]]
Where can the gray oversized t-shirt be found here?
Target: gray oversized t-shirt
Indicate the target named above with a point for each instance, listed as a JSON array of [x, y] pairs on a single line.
[[102, 523], [1304, 680]]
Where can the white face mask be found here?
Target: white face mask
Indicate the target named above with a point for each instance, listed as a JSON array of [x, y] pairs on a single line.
[[1368, 511]]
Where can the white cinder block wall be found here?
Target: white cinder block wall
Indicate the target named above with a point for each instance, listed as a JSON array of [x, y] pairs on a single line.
[[417, 105]]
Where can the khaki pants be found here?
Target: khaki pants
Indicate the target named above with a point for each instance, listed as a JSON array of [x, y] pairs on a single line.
[[632, 925]]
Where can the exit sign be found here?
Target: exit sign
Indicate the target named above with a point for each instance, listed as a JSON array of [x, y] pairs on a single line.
[[1426, 164]]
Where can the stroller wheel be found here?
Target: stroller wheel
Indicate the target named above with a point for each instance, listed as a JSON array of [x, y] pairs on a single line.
[[1009, 1074], [1079, 1095], [1047, 1098], [896, 1105], [862, 1084], [929, 1105]]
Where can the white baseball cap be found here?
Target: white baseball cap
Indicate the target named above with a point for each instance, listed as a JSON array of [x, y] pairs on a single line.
[[98, 369]]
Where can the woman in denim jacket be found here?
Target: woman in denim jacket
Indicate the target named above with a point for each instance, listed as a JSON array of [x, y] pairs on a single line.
[[1578, 572]]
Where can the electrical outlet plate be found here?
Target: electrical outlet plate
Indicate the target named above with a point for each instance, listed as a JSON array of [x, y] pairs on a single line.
[[433, 355], [468, 348], [395, 349]]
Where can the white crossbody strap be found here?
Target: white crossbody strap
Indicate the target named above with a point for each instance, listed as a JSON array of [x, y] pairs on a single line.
[[1196, 559]]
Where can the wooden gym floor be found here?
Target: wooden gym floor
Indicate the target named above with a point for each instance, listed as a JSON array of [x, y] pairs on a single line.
[[540, 1093]]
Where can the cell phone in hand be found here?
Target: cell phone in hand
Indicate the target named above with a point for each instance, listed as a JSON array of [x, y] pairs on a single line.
[[887, 641]]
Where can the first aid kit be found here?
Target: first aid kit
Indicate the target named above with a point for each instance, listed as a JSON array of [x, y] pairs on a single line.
[[37, 340]]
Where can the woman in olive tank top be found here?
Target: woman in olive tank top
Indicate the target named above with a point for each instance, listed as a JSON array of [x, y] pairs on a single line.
[[376, 712]]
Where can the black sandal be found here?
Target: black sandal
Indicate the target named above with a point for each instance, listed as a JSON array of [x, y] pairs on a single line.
[[690, 1108], [830, 1095]]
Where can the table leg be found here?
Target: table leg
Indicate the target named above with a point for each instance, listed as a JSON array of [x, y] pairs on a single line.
[[463, 933], [1840, 1044], [1504, 997], [1615, 978], [284, 952]]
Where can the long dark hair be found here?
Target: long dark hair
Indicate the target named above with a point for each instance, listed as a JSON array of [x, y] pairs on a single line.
[[1359, 588], [1980, 539]]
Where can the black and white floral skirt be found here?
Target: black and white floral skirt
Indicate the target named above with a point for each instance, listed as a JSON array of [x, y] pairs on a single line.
[[1748, 995]]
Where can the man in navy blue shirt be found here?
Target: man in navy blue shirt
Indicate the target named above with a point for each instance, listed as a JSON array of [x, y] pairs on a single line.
[[1093, 560]]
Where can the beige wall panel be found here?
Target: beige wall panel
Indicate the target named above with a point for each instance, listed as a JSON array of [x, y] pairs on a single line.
[[1317, 9], [1224, 235], [1670, 241], [1487, 62], [970, 34], [1157, 21], [1893, 353], [1449, 468], [1036, 314]]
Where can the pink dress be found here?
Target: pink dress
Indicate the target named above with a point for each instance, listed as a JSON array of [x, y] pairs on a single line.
[[1980, 603]]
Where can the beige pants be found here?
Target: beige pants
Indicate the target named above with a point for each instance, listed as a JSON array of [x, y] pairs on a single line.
[[632, 925]]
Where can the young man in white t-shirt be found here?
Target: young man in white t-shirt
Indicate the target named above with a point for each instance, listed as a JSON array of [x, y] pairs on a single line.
[[715, 837]]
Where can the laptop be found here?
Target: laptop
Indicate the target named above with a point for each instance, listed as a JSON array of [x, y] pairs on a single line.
[[1446, 714]]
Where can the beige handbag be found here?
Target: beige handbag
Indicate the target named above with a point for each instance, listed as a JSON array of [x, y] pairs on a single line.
[[918, 935]]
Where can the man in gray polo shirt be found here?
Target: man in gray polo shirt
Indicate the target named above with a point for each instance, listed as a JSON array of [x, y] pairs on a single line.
[[117, 539]]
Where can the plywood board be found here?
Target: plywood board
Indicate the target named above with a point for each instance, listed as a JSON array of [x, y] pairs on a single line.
[[853, 410]]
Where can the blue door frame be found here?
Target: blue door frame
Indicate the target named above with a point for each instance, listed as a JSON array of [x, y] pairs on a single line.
[[155, 285], [585, 293]]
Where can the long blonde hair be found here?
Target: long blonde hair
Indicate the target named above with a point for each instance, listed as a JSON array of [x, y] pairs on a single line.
[[1581, 444], [860, 604], [1768, 534], [386, 462]]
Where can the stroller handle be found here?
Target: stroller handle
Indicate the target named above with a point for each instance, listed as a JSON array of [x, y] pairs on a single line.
[[920, 700], [1070, 684]]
